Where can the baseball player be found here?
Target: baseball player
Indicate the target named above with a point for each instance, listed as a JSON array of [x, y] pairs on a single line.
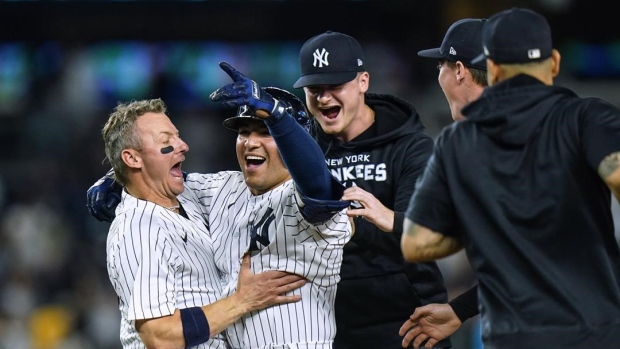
[[461, 82], [290, 220], [376, 145], [160, 258]]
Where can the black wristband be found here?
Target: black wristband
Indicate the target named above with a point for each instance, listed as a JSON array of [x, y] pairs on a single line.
[[399, 220], [195, 326], [465, 305]]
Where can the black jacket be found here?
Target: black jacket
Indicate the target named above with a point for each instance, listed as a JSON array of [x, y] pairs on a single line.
[[379, 290]]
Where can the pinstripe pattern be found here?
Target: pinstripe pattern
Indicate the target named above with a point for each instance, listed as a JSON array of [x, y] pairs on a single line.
[[153, 270], [272, 227]]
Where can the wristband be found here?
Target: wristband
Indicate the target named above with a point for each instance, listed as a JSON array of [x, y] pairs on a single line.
[[465, 305], [195, 326], [278, 111]]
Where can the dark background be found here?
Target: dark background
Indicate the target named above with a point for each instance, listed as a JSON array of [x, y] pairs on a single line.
[[65, 64]]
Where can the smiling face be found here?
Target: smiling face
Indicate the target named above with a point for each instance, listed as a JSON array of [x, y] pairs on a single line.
[[461, 85], [340, 109], [155, 175], [448, 79], [259, 158]]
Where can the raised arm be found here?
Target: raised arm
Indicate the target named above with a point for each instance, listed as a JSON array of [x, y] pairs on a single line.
[[300, 153]]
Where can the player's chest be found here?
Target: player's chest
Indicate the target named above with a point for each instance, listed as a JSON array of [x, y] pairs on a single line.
[[248, 223]]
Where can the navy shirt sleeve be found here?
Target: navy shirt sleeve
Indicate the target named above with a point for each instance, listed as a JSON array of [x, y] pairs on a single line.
[[431, 204], [600, 130]]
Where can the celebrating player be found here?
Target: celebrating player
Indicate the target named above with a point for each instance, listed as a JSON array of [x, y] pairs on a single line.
[[462, 82], [376, 145], [159, 250], [290, 220], [525, 184]]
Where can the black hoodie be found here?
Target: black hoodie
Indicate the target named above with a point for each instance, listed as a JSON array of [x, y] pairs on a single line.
[[379, 290], [517, 183]]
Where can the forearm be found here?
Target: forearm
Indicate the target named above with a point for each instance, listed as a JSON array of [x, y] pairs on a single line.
[[170, 331], [420, 244], [303, 157], [224, 313], [162, 332]]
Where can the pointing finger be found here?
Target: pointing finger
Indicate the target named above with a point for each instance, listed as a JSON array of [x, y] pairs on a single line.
[[232, 72]]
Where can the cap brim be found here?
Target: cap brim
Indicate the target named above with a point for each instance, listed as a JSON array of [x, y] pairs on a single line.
[[325, 79], [431, 53], [233, 122], [478, 59]]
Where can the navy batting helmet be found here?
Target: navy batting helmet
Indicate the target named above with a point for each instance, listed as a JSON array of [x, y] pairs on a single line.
[[293, 105]]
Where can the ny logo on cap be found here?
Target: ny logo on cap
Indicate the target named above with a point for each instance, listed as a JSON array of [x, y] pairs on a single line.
[[320, 57], [452, 51]]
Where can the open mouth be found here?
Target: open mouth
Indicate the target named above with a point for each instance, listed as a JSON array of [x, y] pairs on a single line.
[[253, 161], [331, 113], [175, 171]]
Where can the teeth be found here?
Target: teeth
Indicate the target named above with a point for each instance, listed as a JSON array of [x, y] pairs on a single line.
[[251, 157]]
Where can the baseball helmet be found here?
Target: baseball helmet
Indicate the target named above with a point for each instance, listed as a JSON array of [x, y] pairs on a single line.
[[293, 105]]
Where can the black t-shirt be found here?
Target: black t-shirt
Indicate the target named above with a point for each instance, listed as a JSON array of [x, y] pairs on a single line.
[[517, 184]]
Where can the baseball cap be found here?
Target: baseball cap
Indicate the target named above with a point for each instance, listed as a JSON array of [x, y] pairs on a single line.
[[461, 43], [292, 104], [330, 58], [517, 35]]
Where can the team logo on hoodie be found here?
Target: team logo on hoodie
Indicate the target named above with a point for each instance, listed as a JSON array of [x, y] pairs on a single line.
[[349, 168]]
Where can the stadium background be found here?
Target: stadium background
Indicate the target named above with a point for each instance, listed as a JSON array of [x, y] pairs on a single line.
[[65, 64]]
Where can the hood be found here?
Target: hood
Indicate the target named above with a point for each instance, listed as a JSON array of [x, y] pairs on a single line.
[[511, 112], [394, 118]]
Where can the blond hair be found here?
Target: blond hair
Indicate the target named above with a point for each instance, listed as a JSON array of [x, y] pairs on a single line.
[[120, 132]]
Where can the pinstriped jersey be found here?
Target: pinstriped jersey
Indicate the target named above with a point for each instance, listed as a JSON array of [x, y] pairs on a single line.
[[272, 229], [159, 261]]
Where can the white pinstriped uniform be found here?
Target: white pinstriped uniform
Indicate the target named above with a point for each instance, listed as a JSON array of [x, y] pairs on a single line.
[[283, 240], [159, 261]]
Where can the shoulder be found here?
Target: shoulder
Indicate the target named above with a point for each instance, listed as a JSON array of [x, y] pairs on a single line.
[[454, 138], [147, 216], [214, 181], [199, 178], [594, 105]]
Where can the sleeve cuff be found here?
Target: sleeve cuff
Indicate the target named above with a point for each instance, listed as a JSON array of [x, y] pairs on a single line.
[[465, 306]]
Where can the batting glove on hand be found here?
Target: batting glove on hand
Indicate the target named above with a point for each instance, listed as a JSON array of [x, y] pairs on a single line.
[[245, 91], [103, 197]]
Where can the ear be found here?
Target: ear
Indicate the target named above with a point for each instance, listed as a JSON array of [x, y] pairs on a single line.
[[131, 158], [459, 71], [555, 59], [364, 81]]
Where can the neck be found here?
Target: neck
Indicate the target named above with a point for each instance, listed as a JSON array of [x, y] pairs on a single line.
[[151, 196], [363, 121]]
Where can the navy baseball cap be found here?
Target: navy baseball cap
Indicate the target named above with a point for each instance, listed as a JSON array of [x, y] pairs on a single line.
[[461, 43], [517, 35], [330, 58]]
